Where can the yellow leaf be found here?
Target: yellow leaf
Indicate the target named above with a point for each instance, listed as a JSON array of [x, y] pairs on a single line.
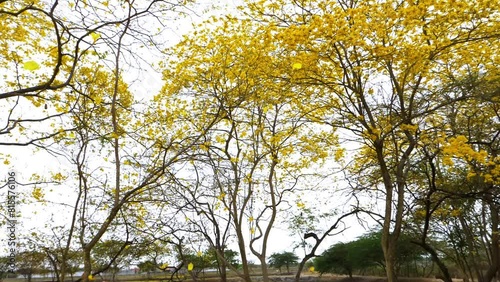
[[95, 36], [6, 162], [58, 176], [190, 266], [37, 193], [199, 253], [31, 65], [296, 66], [164, 266]]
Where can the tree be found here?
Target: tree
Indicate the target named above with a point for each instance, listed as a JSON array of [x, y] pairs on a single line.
[[147, 266], [102, 124], [319, 239], [29, 263], [472, 154], [78, 93], [114, 255], [199, 262], [45, 43], [365, 253], [357, 255], [248, 119], [31, 29], [283, 259], [459, 185], [153, 255], [374, 66], [6, 268], [258, 150], [335, 260]]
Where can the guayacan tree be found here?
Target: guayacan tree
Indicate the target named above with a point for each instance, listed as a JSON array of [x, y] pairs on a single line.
[[248, 120], [377, 68], [257, 149]]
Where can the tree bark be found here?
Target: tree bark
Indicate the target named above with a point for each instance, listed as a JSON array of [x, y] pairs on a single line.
[[494, 267]]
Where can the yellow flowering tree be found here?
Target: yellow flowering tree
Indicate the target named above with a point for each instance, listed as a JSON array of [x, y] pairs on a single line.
[[257, 147], [65, 72], [470, 155], [377, 67], [44, 43], [452, 178]]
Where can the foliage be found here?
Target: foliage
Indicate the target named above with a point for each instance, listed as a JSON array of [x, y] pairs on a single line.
[[395, 101], [30, 262], [6, 268], [278, 260], [365, 253], [113, 255], [378, 68], [335, 259], [147, 266]]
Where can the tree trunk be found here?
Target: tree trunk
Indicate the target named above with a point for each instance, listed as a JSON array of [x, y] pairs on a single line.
[[389, 239], [244, 260], [53, 261], [265, 270], [446, 277], [494, 267], [389, 249], [87, 265], [223, 273]]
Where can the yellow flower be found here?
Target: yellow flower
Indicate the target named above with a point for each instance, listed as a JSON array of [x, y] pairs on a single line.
[[95, 36], [31, 65], [296, 66]]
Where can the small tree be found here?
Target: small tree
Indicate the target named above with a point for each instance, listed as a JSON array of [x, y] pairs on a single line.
[[5, 267], [283, 259], [29, 263], [231, 257], [366, 253], [147, 266], [335, 259]]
